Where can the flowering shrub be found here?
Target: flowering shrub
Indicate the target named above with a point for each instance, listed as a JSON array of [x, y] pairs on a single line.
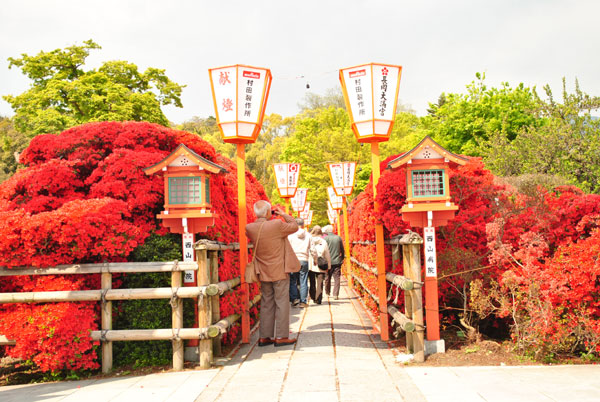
[[82, 198], [531, 260]]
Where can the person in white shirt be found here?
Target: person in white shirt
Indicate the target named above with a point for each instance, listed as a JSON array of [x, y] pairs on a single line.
[[300, 242]]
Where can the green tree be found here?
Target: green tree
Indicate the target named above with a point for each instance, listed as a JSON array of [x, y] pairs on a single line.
[[463, 122], [564, 142], [12, 143], [321, 136], [64, 95]]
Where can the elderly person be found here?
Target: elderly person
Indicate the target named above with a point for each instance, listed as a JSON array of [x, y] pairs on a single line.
[[336, 251], [319, 263], [300, 242], [274, 260]]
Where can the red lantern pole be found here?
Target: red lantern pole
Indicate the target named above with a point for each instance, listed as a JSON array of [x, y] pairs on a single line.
[[379, 244], [242, 220]]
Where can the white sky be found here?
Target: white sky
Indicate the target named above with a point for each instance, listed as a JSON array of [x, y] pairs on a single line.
[[440, 44]]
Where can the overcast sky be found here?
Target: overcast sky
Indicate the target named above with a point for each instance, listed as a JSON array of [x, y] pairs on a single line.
[[440, 44]]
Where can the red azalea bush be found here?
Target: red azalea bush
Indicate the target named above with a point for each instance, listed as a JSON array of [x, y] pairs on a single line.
[[505, 257], [83, 198]]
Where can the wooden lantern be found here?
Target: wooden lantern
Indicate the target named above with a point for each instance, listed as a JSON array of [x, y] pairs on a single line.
[[187, 190], [427, 184], [371, 95], [240, 96]]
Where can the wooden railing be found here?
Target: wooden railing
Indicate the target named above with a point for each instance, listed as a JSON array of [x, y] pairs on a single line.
[[411, 321], [207, 291]]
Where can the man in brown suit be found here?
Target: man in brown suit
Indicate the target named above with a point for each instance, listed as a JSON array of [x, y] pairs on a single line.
[[274, 260]]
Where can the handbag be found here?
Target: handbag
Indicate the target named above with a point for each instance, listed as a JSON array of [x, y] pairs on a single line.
[[250, 275], [322, 262]]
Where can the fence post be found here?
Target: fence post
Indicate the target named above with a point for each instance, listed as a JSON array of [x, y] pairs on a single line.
[[215, 307], [414, 299], [204, 310], [107, 350], [177, 321]]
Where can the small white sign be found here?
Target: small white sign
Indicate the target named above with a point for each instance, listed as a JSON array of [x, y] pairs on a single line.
[[188, 255], [430, 255]]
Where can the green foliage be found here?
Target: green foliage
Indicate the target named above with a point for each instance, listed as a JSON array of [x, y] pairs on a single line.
[[319, 137], [564, 142], [462, 122], [148, 314], [63, 95], [11, 144]]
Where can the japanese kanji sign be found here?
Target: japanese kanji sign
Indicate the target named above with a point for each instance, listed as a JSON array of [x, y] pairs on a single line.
[[286, 175], [304, 213], [331, 214], [299, 199], [335, 200], [188, 255], [371, 94], [342, 177], [308, 219], [240, 95], [429, 247]]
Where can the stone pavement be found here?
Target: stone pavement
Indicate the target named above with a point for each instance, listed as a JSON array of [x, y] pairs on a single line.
[[337, 358]]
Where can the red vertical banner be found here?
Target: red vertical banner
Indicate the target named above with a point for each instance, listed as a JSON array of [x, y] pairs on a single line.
[[432, 310]]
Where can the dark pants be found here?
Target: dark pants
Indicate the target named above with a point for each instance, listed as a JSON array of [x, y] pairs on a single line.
[[334, 272], [316, 286]]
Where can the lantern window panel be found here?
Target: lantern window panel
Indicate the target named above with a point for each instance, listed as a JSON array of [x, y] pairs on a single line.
[[428, 183], [185, 190]]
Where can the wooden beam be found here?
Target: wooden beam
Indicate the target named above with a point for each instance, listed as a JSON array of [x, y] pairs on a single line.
[[115, 267], [150, 334]]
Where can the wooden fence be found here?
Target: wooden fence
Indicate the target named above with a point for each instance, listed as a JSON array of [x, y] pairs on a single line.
[[207, 291], [407, 247]]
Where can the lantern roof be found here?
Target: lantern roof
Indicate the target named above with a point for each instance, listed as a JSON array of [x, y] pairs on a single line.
[[183, 156], [427, 149]]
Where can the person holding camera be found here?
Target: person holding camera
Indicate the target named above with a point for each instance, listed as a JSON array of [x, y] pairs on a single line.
[[319, 263], [274, 260]]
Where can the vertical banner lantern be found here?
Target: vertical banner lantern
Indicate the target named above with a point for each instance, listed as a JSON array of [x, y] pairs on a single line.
[[240, 96], [308, 219], [342, 177], [304, 213], [335, 200], [286, 178], [331, 215], [299, 200], [371, 94]]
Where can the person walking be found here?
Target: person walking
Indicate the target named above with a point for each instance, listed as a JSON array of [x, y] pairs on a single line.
[[319, 263], [300, 242], [274, 260], [337, 253]]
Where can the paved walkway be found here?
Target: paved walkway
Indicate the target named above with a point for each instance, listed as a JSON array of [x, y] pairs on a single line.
[[336, 359]]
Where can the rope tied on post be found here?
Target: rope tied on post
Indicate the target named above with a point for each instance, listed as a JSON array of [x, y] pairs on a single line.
[[174, 298], [175, 336], [103, 299], [103, 335]]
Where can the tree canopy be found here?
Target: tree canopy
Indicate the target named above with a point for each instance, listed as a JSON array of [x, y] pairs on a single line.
[[63, 94]]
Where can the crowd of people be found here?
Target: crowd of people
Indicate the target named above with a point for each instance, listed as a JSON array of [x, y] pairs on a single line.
[[292, 265]]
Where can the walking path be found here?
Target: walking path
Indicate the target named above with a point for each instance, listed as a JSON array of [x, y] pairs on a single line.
[[336, 358]]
